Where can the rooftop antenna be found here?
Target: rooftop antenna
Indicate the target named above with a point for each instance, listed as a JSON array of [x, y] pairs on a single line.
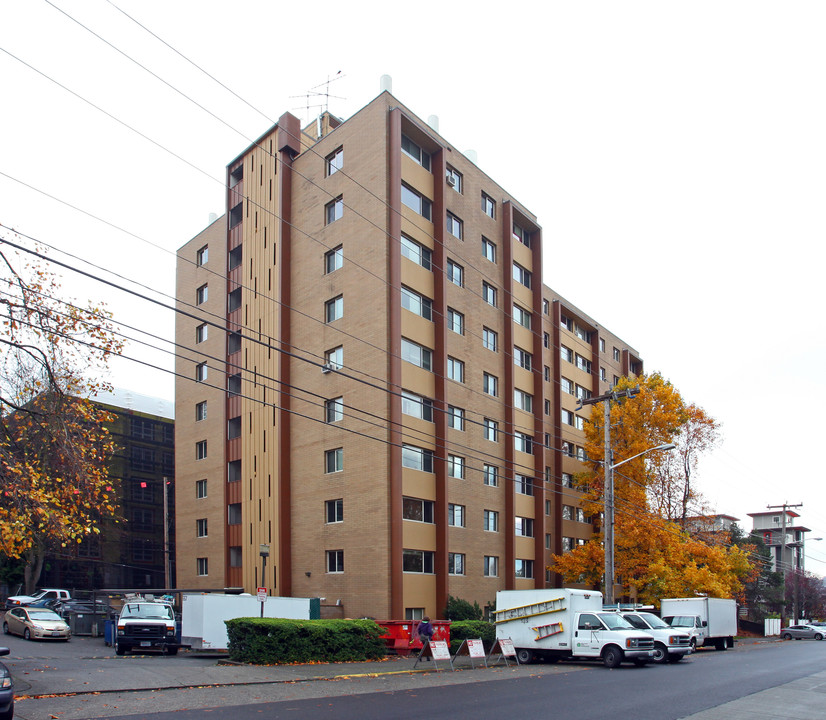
[[314, 92]]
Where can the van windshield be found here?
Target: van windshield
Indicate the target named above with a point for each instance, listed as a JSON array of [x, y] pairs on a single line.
[[154, 611], [615, 622], [681, 621], [653, 621]]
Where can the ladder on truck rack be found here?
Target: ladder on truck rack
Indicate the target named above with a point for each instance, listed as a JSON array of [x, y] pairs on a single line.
[[531, 610], [543, 631]]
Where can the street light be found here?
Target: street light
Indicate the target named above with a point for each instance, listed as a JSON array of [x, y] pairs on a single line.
[[608, 490]]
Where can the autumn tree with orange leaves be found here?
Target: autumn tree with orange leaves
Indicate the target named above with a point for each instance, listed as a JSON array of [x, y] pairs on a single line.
[[54, 447], [656, 555]]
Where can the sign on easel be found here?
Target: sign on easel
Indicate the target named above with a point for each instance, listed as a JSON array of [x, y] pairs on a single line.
[[503, 647], [436, 649], [474, 648]]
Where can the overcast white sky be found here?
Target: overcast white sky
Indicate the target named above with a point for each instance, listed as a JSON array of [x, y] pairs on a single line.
[[674, 154]]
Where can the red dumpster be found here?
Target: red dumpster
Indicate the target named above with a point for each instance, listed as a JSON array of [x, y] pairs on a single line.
[[397, 634]]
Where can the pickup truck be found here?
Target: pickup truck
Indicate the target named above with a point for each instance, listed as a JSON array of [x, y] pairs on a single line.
[[44, 594], [144, 625]]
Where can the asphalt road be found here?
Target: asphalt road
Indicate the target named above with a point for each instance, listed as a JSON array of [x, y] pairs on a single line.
[[197, 687]]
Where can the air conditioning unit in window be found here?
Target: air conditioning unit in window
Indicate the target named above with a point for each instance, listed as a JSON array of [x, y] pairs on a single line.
[[451, 180], [326, 367]]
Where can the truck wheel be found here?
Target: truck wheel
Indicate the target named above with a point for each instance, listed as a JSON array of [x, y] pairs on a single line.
[[693, 645], [524, 656], [172, 651], [119, 649], [721, 644], [612, 656], [674, 658], [660, 653]]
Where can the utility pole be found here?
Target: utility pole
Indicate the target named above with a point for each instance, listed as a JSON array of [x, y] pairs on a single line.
[[608, 485], [782, 569]]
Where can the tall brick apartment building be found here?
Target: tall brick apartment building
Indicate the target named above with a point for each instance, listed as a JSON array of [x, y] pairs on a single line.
[[376, 383]]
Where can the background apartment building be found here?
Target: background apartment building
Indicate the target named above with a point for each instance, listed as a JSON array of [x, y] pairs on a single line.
[[377, 386]]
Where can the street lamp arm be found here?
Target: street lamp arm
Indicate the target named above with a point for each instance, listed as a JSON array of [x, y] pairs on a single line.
[[666, 446]]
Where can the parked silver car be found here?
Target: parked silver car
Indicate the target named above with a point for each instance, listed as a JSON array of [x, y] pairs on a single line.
[[799, 632]]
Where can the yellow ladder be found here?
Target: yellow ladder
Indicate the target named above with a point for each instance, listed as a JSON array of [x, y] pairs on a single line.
[[531, 610]]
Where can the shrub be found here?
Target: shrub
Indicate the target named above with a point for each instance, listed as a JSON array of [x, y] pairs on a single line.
[[458, 609], [269, 641], [469, 630]]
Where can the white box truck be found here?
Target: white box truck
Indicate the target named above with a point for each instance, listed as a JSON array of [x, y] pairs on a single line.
[[711, 621], [564, 623], [203, 615]]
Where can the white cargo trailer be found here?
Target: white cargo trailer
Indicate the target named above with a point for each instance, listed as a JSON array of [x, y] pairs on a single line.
[[203, 615], [557, 624], [711, 621]]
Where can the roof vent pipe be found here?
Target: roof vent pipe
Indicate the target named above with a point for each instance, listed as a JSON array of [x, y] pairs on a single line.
[[471, 155], [213, 217], [433, 121], [386, 84]]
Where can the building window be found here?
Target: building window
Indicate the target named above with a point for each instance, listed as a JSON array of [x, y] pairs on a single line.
[[567, 512], [455, 273], [201, 527], [491, 430], [234, 471], [567, 417], [547, 407], [491, 566], [456, 467], [616, 355], [417, 355], [602, 345], [234, 300], [417, 561], [200, 372], [523, 526], [579, 422], [200, 411], [547, 374], [202, 256], [567, 544], [522, 358], [490, 384], [456, 515], [455, 564], [417, 458], [567, 480], [489, 339], [566, 322], [335, 561], [454, 179], [334, 510], [489, 294], [201, 450], [488, 250], [202, 566], [546, 307], [524, 568], [522, 235], [455, 370], [412, 150], [235, 257], [491, 475], [416, 202], [582, 393], [603, 374], [234, 384], [200, 489], [202, 295], [455, 418], [417, 406], [567, 449], [333, 210], [236, 215], [523, 442], [491, 521], [416, 252], [335, 358], [488, 205], [334, 161], [582, 333], [523, 484], [546, 340], [547, 512], [521, 275], [236, 556], [523, 400], [143, 429], [334, 410], [334, 309], [233, 342], [522, 316], [566, 385], [234, 428], [333, 259], [418, 304], [566, 353], [454, 226], [583, 364], [580, 515], [334, 460], [455, 321], [580, 454]]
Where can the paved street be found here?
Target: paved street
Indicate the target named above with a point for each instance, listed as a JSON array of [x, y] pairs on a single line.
[[84, 679]]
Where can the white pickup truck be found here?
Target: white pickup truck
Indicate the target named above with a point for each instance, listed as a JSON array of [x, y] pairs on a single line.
[[44, 594], [557, 624]]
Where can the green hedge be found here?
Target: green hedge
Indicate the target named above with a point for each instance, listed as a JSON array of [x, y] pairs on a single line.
[[470, 630], [267, 641]]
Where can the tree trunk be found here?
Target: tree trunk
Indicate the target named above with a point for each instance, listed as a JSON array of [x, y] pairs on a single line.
[[34, 566]]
